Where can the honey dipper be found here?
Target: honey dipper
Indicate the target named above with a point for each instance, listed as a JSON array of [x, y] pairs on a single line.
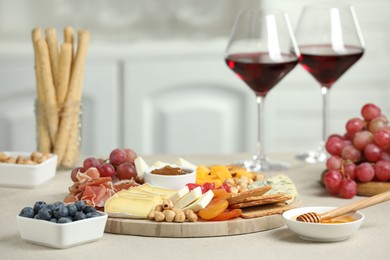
[[314, 217]]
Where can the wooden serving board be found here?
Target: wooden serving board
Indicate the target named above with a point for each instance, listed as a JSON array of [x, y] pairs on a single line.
[[237, 226], [372, 188]]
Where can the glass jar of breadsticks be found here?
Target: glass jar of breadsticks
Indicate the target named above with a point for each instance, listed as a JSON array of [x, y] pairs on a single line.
[[59, 71]]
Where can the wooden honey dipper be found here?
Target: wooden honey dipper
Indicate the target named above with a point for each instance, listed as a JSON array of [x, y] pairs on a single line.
[[314, 217]]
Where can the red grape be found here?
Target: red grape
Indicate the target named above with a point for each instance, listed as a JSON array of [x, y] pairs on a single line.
[[370, 111], [377, 124], [382, 171], [74, 172], [126, 171], [385, 156], [334, 145], [349, 170], [106, 170], [332, 179], [347, 189], [362, 139], [351, 153], [354, 125], [90, 162], [373, 153], [382, 138], [117, 156], [130, 155], [365, 172], [334, 163]]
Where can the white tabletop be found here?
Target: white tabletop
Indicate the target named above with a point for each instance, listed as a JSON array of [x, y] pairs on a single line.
[[370, 242]]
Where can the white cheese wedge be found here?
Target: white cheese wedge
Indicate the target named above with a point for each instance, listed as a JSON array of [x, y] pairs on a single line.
[[179, 194], [160, 164], [132, 206], [201, 202], [188, 198], [184, 163], [140, 166]]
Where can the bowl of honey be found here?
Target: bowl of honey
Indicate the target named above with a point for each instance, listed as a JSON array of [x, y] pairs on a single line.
[[333, 230]]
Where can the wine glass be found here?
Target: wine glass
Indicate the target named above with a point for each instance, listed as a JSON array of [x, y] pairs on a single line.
[[330, 42], [261, 51]]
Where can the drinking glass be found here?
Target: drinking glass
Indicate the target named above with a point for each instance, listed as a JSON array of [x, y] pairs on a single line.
[[261, 51], [330, 42]]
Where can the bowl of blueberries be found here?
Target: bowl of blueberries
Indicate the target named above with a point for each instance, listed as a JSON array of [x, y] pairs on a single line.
[[60, 225]]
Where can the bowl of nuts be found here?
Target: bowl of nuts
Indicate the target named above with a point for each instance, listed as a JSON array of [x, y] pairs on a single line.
[[26, 170]]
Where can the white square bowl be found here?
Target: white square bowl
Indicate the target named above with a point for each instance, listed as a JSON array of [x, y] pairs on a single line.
[[65, 235], [27, 176]]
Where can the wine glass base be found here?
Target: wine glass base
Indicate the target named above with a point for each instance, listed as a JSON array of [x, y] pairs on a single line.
[[263, 165], [313, 156]]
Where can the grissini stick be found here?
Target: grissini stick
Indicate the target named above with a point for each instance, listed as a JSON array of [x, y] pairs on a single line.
[[64, 69], [43, 140], [52, 43], [72, 106], [314, 217], [50, 104], [69, 37]]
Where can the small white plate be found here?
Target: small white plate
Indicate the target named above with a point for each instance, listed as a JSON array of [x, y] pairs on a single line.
[[27, 176], [65, 235], [321, 232]]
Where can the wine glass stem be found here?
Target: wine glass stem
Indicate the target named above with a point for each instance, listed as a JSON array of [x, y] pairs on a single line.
[[260, 155], [325, 114]]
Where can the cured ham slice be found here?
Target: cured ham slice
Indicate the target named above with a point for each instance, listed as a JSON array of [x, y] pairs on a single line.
[[95, 190]]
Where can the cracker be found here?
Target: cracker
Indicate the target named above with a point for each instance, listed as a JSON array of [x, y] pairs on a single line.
[[266, 210], [265, 199], [249, 193]]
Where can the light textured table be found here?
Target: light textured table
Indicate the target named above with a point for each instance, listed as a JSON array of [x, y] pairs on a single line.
[[370, 242]]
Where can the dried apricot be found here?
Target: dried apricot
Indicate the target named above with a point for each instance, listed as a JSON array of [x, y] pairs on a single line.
[[221, 194], [215, 207], [228, 214]]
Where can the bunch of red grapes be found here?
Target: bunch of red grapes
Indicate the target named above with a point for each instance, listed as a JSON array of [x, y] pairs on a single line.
[[120, 164], [361, 155]]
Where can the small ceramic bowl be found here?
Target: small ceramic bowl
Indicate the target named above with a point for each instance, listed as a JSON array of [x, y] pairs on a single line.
[[321, 232], [174, 182], [27, 176], [65, 235]]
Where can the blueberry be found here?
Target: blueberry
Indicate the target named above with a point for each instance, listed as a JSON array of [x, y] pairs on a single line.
[[64, 220], [50, 206], [45, 213], [88, 209], [80, 205], [92, 214], [38, 206], [79, 216], [36, 216], [58, 204], [54, 220], [72, 209], [61, 211], [27, 212]]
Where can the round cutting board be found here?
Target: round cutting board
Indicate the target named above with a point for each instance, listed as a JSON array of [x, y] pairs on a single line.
[[237, 226], [372, 188]]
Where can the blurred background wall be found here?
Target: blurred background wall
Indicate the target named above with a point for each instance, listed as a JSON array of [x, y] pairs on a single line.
[[143, 49]]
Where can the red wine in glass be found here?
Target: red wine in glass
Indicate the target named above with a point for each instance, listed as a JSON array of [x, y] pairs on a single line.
[[252, 68], [325, 64]]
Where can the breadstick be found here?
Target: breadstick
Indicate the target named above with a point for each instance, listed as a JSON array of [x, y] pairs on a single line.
[[43, 139], [69, 37], [72, 106], [52, 43], [65, 62], [48, 89]]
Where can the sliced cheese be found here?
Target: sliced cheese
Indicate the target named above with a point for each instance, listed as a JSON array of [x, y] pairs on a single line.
[[140, 166], [137, 207], [166, 193], [188, 198], [184, 163], [201, 202], [179, 194]]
